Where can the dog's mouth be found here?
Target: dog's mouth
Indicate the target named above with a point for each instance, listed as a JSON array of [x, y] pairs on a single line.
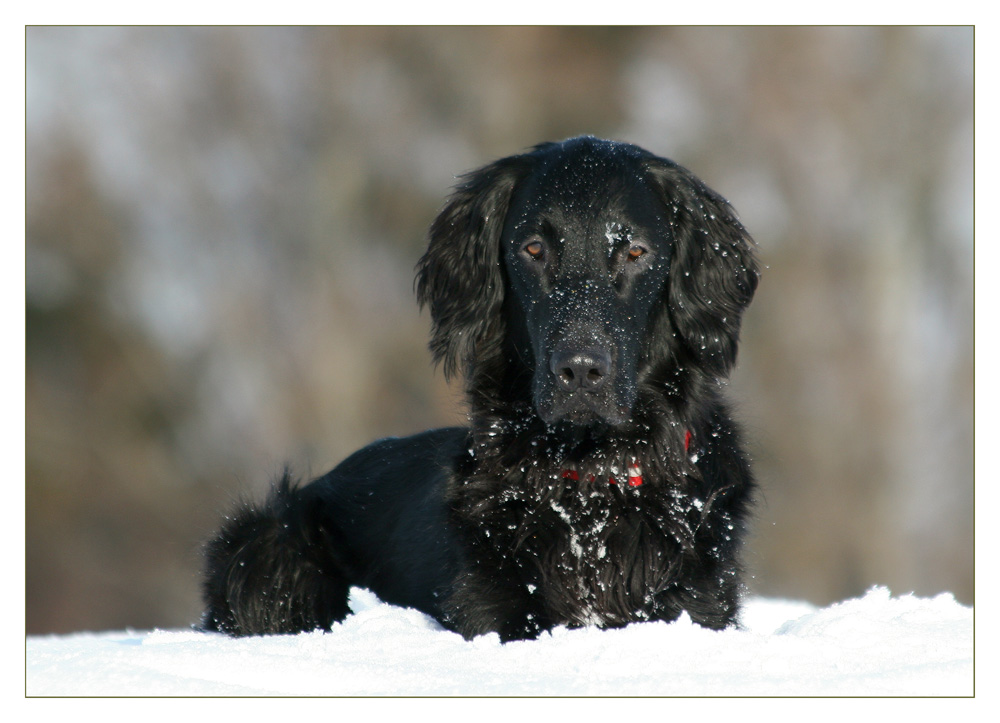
[[584, 410]]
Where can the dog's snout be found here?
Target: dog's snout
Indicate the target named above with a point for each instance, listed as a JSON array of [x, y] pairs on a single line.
[[584, 370]]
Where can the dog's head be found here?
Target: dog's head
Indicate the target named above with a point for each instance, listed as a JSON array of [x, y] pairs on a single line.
[[586, 263]]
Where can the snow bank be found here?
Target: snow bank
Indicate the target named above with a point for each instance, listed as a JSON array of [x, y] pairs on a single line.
[[874, 645]]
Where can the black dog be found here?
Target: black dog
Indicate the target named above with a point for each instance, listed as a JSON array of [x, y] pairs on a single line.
[[591, 293]]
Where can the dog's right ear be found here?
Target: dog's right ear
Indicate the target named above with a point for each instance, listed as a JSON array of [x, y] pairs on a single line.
[[460, 276]]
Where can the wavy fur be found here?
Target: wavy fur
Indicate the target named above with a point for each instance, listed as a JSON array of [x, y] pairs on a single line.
[[591, 295]]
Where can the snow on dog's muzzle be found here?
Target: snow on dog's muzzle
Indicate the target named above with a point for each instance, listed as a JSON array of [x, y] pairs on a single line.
[[584, 382]]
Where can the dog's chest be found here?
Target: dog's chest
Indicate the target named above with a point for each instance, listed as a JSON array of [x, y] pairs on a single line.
[[594, 559]]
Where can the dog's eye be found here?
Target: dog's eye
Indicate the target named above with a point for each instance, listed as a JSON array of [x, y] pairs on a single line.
[[535, 250], [636, 252]]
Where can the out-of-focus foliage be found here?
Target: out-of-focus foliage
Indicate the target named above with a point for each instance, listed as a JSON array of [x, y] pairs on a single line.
[[222, 226]]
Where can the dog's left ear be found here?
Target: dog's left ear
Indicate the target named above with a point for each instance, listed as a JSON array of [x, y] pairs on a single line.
[[714, 272], [460, 276]]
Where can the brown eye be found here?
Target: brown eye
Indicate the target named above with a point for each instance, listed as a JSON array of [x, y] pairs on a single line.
[[636, 252], [534, 249]]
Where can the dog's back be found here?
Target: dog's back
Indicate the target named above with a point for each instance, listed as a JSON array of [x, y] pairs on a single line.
[[377, 520]]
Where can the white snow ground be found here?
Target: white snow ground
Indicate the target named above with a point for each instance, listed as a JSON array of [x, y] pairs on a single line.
[[872, 646]]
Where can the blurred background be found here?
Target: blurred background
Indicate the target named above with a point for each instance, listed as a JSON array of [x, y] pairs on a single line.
[[222, 225]]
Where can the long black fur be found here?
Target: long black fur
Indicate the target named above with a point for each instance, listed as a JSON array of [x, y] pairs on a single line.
[[591, 295]]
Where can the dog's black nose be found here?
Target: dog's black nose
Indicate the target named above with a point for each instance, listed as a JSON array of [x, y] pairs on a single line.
[[586, 370]]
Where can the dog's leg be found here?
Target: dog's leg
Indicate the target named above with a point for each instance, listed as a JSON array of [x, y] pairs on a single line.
[[271, 569], [489, 598]]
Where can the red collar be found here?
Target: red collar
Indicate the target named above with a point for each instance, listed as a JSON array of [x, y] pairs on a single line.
[[634, 469]]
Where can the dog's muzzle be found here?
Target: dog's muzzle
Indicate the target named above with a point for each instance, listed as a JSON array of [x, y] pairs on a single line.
[[584, 385]]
